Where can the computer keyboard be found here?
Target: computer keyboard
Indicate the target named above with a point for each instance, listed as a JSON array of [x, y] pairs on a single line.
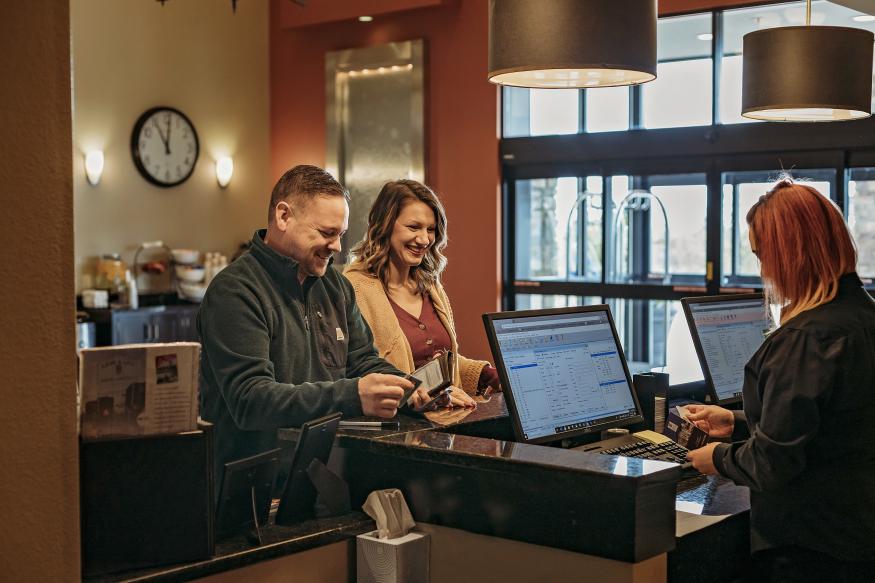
[[668, 451]]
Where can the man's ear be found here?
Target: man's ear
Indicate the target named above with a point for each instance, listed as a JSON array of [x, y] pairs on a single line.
[[282, 214]]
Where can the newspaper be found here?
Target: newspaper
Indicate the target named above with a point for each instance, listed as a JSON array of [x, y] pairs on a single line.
[[138, 389]]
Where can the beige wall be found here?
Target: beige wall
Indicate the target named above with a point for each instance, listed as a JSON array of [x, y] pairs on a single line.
[[39, 492], [196, 56]]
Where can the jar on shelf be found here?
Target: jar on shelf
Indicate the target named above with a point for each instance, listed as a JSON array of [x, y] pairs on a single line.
[[110, 272]]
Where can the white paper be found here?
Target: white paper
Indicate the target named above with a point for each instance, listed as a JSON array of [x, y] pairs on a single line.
[[688, 522], [138, 389]]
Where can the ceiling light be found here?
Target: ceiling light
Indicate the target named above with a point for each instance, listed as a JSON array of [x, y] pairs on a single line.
[[705, 36], [807, 73], [569, 43], [365, 18], [864, 18]]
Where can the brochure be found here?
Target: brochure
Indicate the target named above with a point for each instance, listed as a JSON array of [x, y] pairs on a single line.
[[138, 389]]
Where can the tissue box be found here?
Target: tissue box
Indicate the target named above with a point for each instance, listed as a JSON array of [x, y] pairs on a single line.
[[392, 560]]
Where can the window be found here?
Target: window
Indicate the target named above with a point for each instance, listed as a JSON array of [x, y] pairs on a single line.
[[681, 94], [740, 191], [730, 91], [659, 229], [644, 217], [540, 112], [538, 302], [643, 327], [861, 218], [607, 109], [559, 228]]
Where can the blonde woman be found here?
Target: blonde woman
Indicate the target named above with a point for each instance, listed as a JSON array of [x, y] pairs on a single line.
[[396, 277]]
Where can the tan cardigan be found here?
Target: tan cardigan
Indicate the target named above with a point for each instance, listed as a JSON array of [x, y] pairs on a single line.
[[388, 336]]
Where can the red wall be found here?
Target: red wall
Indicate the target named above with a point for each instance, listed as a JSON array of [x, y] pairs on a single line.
[[462, 126], [462, 131], [680, 6], [322, 11]]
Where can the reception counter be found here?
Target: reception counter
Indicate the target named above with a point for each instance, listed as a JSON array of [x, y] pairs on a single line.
[[517, 510]]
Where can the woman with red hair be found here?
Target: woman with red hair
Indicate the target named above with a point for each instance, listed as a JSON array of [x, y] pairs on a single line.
[[805, 442]]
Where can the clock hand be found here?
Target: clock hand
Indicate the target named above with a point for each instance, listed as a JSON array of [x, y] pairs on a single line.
[[161, 135], [167, 143], [157, 127]]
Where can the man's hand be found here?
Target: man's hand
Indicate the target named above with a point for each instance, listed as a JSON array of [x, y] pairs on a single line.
[[381, 394], [715, 421], [419, 398], [703, 458]]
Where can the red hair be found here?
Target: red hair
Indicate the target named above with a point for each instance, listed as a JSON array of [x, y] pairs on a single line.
[[803, 245]]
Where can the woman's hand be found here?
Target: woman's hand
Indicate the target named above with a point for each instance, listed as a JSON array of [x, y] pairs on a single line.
[[703, 458], [715, 421], [459, 398]]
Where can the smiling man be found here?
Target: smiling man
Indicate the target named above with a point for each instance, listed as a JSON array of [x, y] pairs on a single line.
[[283, 340]]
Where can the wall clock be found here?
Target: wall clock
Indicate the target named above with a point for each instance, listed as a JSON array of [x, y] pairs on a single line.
[[164, 145]]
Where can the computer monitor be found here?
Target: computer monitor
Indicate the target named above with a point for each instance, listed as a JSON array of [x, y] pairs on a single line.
[[563, 372], [726, 331]]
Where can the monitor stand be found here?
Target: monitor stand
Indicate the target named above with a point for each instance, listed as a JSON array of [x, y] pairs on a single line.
[[332, 491]]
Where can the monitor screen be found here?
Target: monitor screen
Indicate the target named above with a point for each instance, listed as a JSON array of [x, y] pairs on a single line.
[[563, 372], [726, 330]]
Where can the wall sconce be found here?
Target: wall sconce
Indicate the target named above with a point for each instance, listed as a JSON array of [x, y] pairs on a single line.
[[224, 170], [94, 166]]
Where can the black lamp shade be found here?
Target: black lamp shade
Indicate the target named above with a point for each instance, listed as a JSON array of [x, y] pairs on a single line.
[[807, 73], [572, 43]]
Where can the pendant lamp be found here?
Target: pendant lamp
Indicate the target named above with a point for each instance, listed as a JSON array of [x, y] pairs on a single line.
[[807, 73], [562, 44]]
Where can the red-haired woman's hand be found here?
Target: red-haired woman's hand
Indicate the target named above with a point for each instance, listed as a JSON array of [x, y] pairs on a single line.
[[714, 420]]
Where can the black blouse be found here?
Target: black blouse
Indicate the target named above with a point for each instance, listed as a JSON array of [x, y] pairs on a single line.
[[809, 401]]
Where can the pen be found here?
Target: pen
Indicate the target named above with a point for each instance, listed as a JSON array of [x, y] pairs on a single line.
[[370, 424]]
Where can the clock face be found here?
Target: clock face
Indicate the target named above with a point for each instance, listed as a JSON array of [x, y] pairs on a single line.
[[164, 146]]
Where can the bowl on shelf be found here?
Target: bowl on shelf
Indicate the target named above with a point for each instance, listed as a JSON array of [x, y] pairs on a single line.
[[190, 273], [185, 256], [193, 291]]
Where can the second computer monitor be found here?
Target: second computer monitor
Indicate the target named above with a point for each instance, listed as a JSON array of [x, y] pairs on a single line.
[[727, 330], [563, 372]]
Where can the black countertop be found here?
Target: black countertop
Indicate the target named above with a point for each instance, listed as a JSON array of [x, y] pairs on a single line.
[[450, 434], [238, 551], [441, 460]]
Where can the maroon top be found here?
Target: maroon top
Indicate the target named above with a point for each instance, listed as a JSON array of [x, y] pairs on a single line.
[[426, 334]]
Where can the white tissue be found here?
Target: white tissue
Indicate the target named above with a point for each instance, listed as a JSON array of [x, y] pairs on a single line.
[[389, 510]]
